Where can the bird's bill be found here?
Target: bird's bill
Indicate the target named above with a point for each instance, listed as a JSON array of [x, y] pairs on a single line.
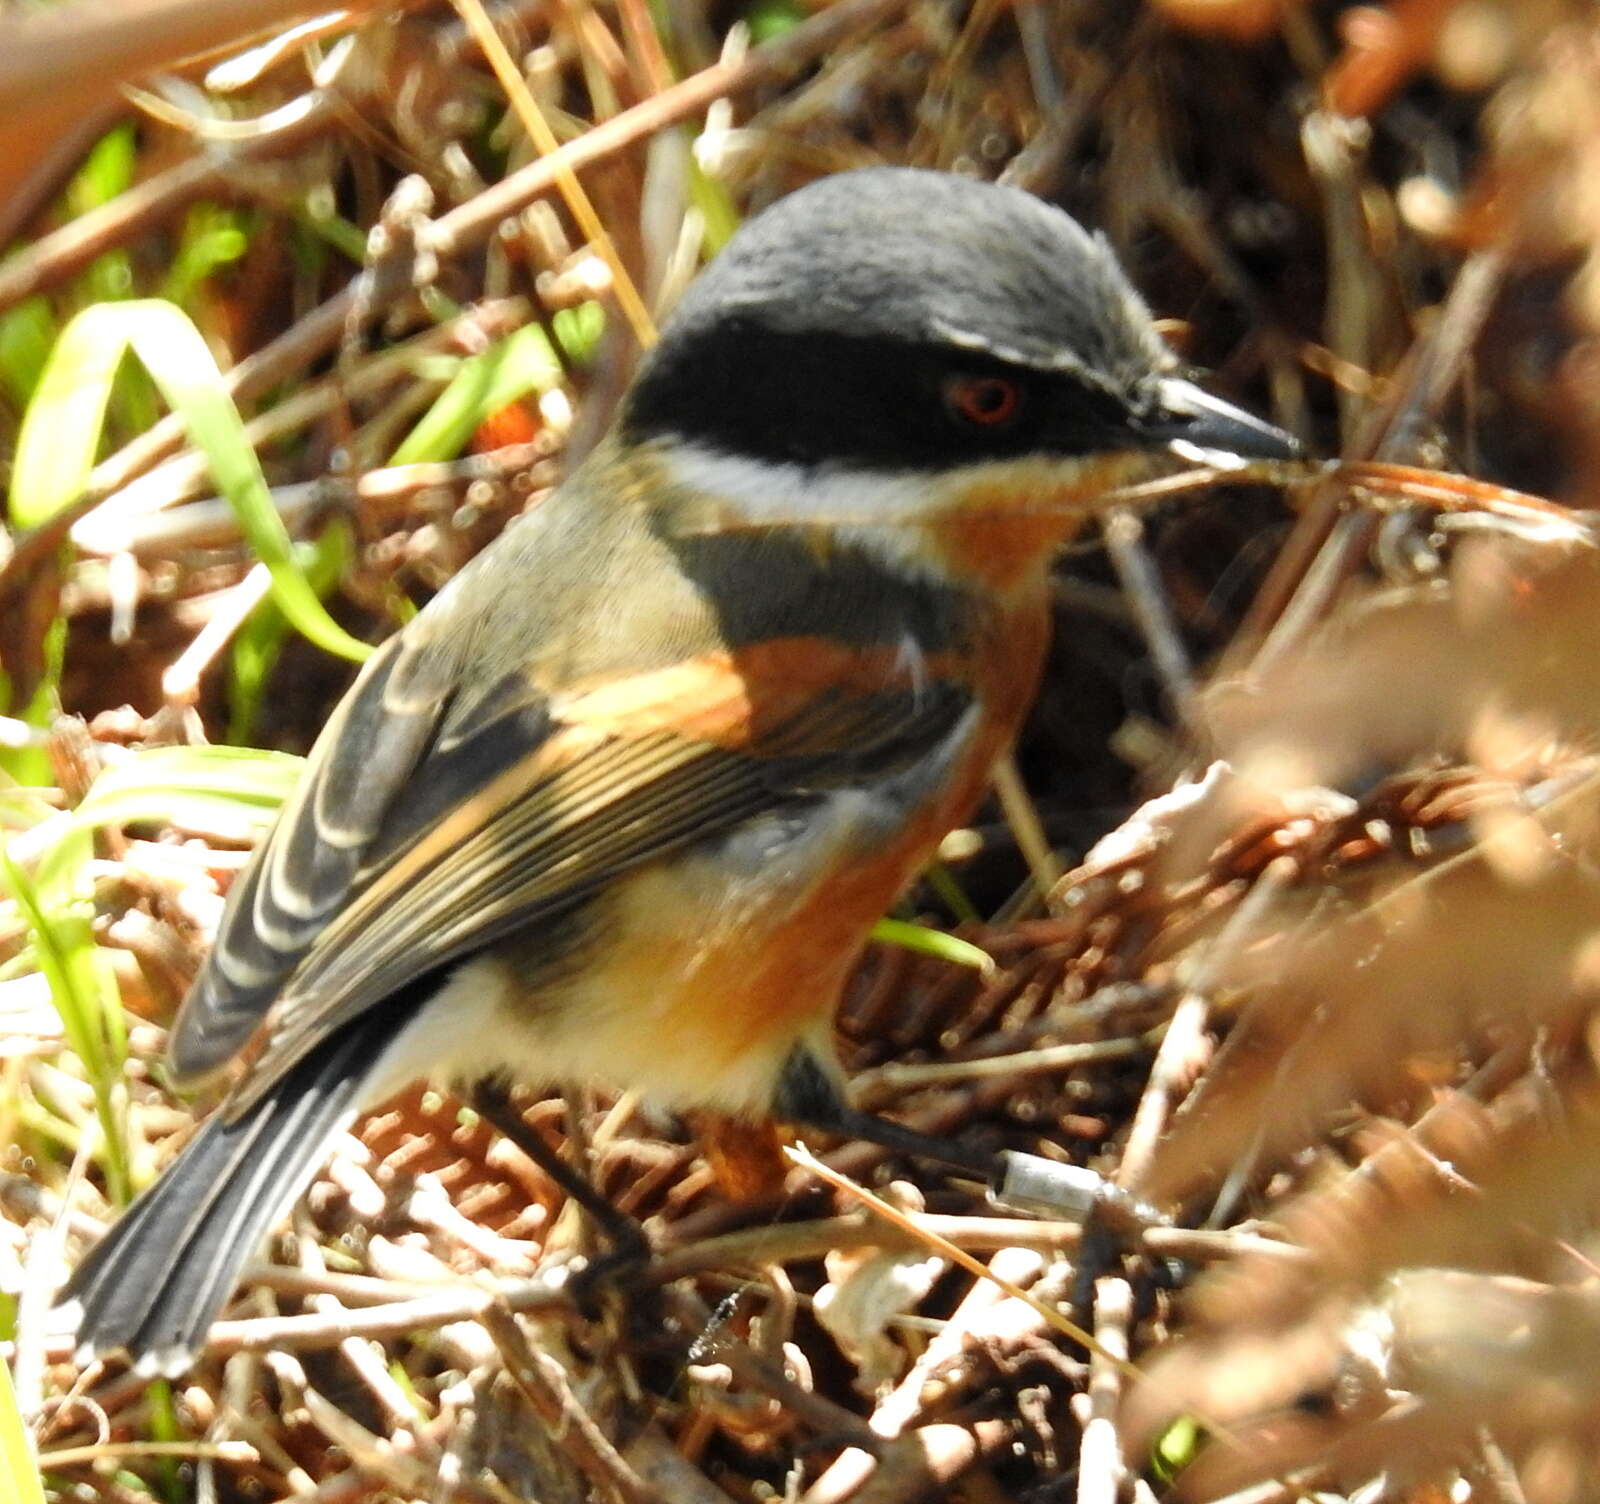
[[1193, 425]]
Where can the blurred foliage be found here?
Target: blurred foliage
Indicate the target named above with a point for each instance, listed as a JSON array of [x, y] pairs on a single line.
[[1300, 187]]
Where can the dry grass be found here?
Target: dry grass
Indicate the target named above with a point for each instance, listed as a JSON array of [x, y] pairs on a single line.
[[1332, 1008]]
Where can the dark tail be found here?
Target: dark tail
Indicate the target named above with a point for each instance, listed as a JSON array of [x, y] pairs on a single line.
[[159, 1277]]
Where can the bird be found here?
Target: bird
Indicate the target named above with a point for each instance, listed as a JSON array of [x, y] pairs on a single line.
[[623, 801]]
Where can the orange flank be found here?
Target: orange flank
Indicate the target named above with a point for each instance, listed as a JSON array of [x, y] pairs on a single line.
[[761, 967]]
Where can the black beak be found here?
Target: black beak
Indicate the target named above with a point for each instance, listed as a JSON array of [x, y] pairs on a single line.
[[1196, 426]]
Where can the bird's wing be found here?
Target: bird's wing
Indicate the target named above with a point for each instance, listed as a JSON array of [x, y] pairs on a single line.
[[426, 829]]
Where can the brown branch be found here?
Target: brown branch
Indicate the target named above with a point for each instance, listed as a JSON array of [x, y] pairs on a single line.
[[765, 1376], [924, 1462], [1101, 1470], [757, 1246], [1184, 1047], [544, 1382], [985, 1316], [382, 495], [1327, 542]]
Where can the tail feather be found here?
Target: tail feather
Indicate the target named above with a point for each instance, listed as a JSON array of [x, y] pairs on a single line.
[[160, 1276]]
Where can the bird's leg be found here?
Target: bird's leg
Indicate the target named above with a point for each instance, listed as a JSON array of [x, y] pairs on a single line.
[[808, 1096], [491, 1099], [847, 1122]]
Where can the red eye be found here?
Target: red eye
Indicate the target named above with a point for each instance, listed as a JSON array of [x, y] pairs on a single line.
[[982, 401]]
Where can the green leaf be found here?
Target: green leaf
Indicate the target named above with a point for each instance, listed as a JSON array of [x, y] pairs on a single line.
[[931, 942], [213, 236], [165, 1427], [770, 19], [717, 209], [26, 334], [31, 765], [520, 363], [81, 985], [170, 786], [19, 1474], [158, 784], [61, 431], [106, 171], [1176, 1448], [943, 882], [579, 329], [318, 214], [259, 642], [247, 777]]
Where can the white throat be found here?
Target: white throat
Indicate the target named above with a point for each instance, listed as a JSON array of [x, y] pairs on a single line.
[[876, 510]]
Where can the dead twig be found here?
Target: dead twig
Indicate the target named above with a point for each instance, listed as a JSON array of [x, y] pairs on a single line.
[[548, 1390], [1100, 1464]]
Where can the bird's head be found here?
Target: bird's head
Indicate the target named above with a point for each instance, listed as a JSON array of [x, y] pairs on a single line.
[[892, 346]]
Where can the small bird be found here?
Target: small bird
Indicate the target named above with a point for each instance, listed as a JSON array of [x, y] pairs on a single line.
[[622, 803]]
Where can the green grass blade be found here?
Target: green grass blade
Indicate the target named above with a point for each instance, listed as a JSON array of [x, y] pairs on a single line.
[[61, 433], [579, 329], [770, 19], [213, 236], [46, 869], [61, 428], [19, 1475], [26, 334], [258, 644], [83, 991], [930, 942], [165, 1427], [716, 206], [184, 786], [31, 765], [522, 362], [250, 780], [107, 170], [954, 897]]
